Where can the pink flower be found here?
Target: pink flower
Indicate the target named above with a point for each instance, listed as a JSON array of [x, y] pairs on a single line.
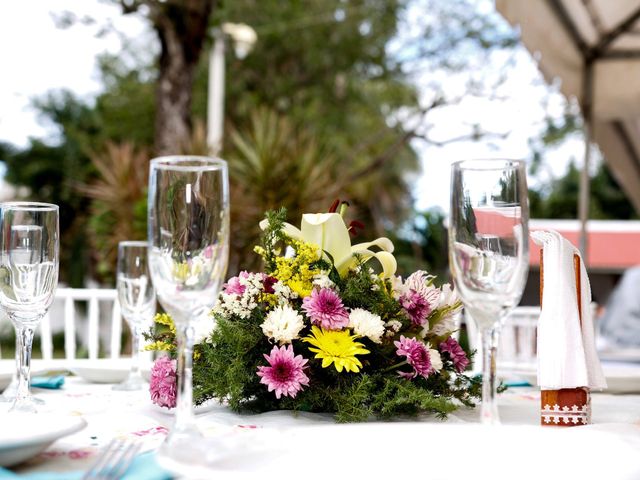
[[417, 355], [416, 307], [162, 384], [324, 307], [285, 374], [233, 286], [456, 353]]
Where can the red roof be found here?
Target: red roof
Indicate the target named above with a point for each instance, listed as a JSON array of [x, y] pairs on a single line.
[[612, 244]]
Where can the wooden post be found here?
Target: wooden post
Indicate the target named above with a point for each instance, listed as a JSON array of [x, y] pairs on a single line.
[[566, 407]]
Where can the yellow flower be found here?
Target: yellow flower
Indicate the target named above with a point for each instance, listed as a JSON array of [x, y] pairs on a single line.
[[165, 319], [294, 271], [337, 347], [159, 345], [329, 232]]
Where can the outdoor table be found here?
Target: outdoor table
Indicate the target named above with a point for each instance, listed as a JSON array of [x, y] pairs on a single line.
[[296, 445]]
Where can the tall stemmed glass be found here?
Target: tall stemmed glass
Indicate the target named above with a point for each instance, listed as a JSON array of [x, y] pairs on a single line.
[[28, 278], [489, 252], [137, 299], [188, 256]]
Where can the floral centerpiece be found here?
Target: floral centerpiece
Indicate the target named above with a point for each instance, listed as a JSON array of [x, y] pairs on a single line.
[[320, 331]]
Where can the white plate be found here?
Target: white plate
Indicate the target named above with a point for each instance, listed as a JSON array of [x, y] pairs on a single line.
[[621, 377], [23, 436], [5, 376], [104, 370]]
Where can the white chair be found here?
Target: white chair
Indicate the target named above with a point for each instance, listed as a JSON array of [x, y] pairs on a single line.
[[102, 304], [517, 345]]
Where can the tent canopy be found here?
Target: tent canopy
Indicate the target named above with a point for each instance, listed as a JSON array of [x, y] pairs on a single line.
[[593, 47]]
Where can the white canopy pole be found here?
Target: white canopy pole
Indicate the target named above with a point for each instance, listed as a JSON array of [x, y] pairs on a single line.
[[585, 181], [215, 103]]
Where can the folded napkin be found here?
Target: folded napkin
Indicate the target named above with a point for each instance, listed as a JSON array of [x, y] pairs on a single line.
[[567, 356], [52, 382], [144, 467]]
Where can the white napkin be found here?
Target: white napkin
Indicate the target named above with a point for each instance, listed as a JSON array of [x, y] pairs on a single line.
[[567, 355]]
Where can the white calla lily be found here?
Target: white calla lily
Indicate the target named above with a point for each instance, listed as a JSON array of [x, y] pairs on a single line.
[[329, 232]]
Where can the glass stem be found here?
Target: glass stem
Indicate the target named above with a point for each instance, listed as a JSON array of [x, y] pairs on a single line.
[[135, 353], [489, 409], [184, 408], [24, 337]]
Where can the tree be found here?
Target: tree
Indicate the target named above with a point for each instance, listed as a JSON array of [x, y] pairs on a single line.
[[324, 70], [182, 29]]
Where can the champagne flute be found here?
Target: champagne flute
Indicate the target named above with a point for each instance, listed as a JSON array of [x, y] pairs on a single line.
[[489, 252], [28, 278], [137, 299], [188, 213]]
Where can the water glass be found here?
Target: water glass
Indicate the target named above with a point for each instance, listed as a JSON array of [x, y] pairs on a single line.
[[189, 247], [29, 245], [489, 252], [137, 299]]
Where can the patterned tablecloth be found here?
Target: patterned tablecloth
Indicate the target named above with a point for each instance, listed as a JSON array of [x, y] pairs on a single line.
[[294, 445]]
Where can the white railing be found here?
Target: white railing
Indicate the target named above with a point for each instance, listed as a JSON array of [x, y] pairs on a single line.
[[65, 315], [96, 300]]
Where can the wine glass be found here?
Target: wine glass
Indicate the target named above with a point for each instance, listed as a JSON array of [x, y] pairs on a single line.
[[489, 252], [137, 299], [28, 278], [189, 247]]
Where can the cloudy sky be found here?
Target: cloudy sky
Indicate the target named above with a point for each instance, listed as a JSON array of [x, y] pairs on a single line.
[[46, 57]]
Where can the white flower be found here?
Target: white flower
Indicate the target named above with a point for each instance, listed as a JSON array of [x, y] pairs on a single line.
[[436, 360], [283, 324], [394, 325], [323, 281], [398, 287], [422, 283], [366, 324], [449, 298]]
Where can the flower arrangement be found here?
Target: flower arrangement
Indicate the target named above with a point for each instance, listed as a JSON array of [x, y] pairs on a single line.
[[320, 331]]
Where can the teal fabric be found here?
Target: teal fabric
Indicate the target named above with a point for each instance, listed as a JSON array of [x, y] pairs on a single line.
[[54, 382], [144, 467]]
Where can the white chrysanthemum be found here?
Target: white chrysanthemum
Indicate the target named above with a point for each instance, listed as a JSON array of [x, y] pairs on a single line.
[[323, 281], [393, 326], [446, 325], [449, 297], [449, 303], [366, 324], [283, 324], [436, 360]]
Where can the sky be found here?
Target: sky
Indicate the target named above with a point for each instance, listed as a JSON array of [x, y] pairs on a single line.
[[66, 58]]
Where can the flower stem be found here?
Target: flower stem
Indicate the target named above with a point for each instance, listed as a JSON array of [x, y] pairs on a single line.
[[397, 365]]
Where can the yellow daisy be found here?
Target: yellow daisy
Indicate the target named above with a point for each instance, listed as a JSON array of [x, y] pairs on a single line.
[[337, 347]]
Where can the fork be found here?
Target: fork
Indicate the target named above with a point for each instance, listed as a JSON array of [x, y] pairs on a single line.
[[114, 460]]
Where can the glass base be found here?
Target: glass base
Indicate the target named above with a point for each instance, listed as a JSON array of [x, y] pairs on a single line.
[[9, 394], [24, 405], [185, 453], [132, 383]]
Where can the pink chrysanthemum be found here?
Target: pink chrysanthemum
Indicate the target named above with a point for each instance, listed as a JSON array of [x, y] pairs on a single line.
[[162, 384], [325, 309], [233, 286], [416, 307], [285, 374], [417, 355], [456, 353]]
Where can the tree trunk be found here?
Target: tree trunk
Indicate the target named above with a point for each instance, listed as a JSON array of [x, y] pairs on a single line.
[[182, 28]]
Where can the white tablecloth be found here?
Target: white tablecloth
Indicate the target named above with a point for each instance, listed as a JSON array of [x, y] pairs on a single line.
[[288, 445]]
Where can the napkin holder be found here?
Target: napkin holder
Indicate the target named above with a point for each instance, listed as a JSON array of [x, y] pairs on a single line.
[[565, 407]]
